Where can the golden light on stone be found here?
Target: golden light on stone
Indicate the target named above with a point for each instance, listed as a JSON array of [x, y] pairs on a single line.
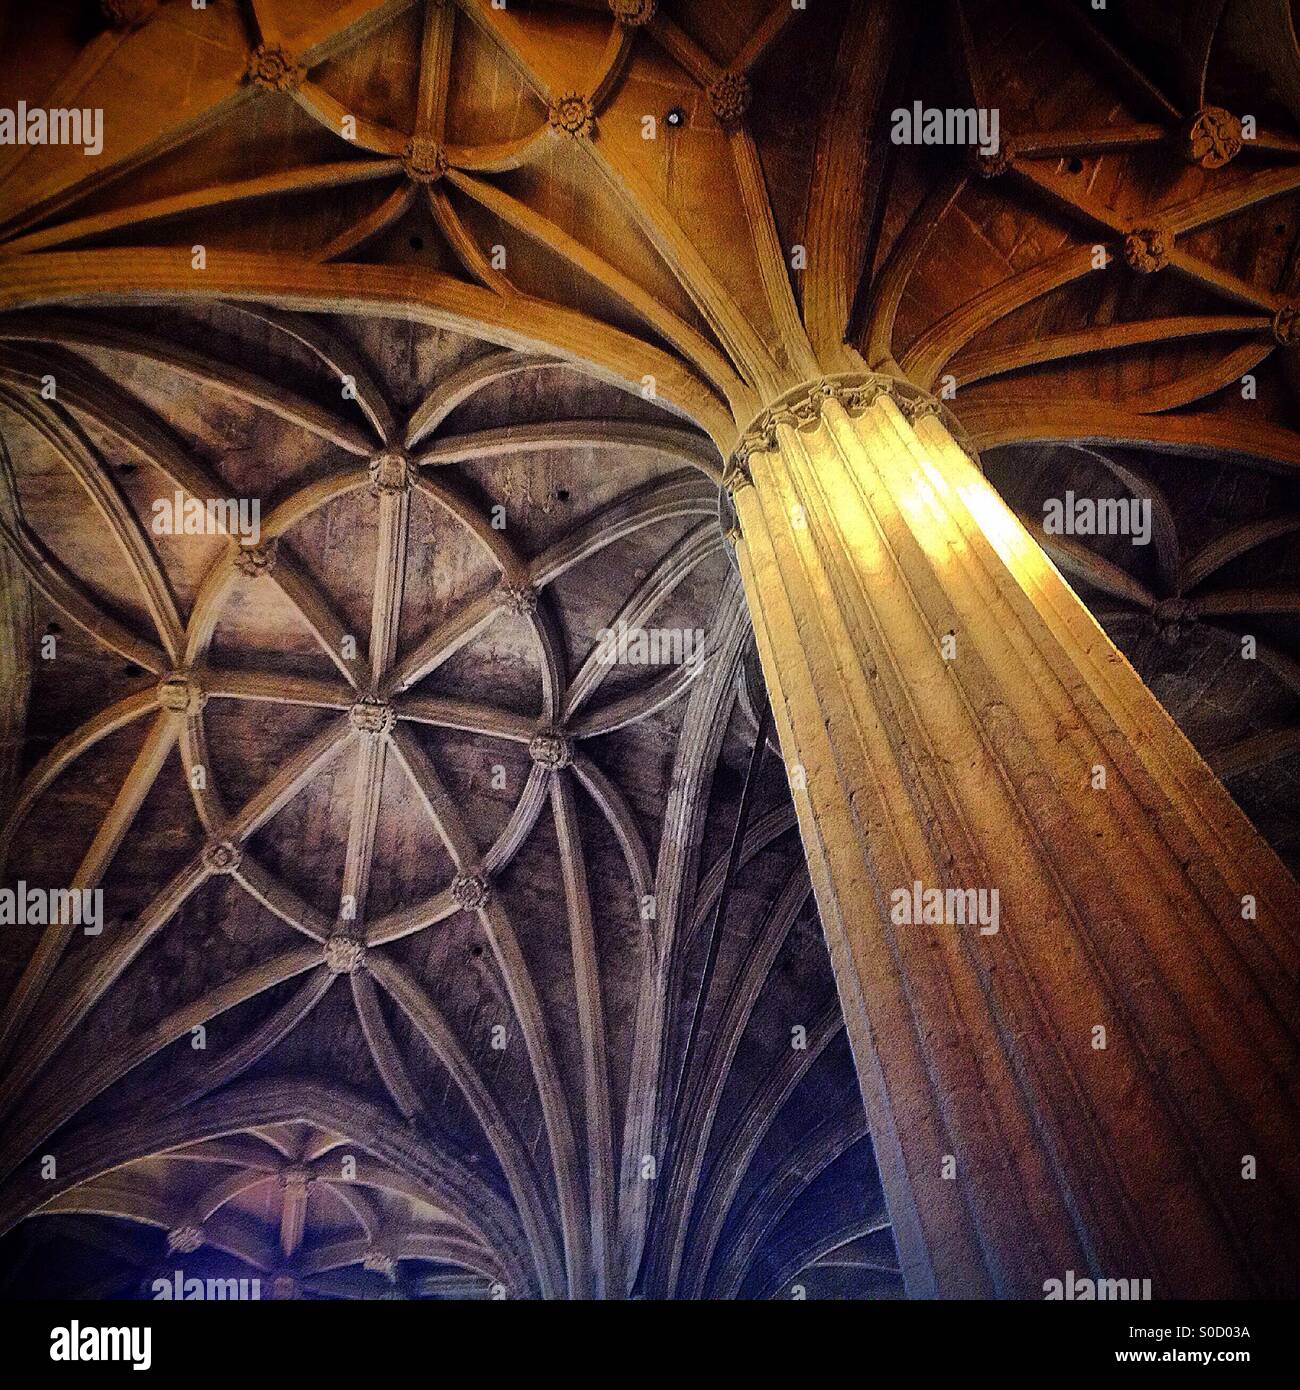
[[873, 529], [1212, 138], [1015, 547], [273, 68], [573, 115], [733, 362], [1148, 249], [730, 96], [424, 159], [634, 13]]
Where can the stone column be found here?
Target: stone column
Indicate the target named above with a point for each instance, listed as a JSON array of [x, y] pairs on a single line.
[[1102, 1077]]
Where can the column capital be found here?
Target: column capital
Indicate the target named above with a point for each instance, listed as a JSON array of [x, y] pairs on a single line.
[[801, 407]]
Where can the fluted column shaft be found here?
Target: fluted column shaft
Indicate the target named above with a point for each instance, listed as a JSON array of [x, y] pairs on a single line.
[[945, 704]]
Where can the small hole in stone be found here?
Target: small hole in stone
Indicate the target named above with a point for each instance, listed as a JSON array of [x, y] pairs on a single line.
[[53, 629], [676, 117], [417, 243], [127, 468], [131, 669], [562, 494], [476, 951], [1075, 166]]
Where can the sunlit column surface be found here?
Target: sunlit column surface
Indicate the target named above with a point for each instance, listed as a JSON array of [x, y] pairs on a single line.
[[1100, 1074]]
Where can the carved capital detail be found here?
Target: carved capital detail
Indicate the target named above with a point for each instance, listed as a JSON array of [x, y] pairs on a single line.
[[181, 694], [758, 439], [735, 473], [222, 857], [573, 114], [802, 408], [184, 1240], [344, 954], [424, 159], [728, 517], [634, 13], [1147, 249], [1286, 326], [1212, 138], [470, 892], [730, 96], [254, 561], [274, 69], [918, 407], [551, 749]]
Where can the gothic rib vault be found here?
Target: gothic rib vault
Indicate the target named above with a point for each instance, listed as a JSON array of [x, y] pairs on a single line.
[[441, 781], [478, 899]]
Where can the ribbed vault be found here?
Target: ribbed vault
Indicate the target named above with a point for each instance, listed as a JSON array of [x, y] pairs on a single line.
[[428, 821]]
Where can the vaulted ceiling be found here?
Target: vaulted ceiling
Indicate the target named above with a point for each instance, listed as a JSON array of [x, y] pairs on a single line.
[[451, 960], [456, 874]]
